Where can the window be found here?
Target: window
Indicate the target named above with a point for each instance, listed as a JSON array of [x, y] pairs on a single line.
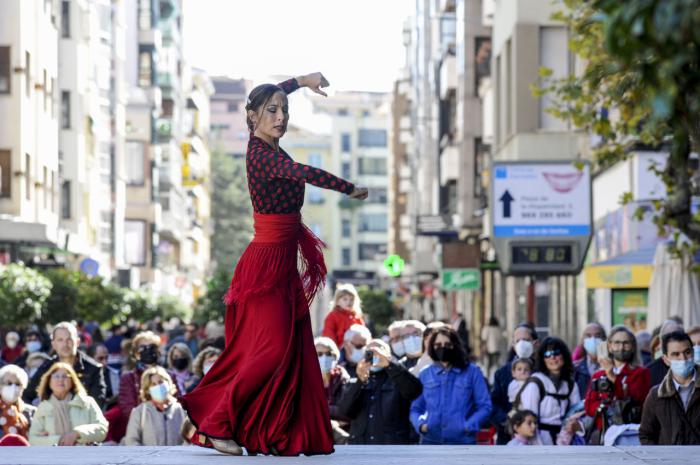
[[373, 222], [28, 176], [377, 195], [65, 109], [346, 225], [47, 187], [370, 251], [346, 259], [315, 160], [135, 163], [5, 174], [65, 19], [372, 138], [65, 200], [345, 142], [5, 70], [145, 15], [315, 195], [28, 74], [135, 236], [316, 229], [372, 166], [343, 112], [145, 69], [53, 191], [554, 54], [346, 170], [233, 107]]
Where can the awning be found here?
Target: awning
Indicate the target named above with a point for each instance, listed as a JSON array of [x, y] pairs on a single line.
[[630, 270], [27, 233]]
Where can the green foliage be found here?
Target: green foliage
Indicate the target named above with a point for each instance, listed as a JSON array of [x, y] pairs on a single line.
[[23, 293], [377, 305], [210, 306], [640, 87]]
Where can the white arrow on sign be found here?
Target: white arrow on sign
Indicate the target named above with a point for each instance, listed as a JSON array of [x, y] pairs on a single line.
[[462, 279]]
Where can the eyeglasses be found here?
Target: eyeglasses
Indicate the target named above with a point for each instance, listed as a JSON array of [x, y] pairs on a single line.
[[58, 376], [358, 346], [625, 343], [552, 353]]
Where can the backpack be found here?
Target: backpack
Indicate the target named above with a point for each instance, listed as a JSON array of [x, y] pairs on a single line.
[[543, 393]]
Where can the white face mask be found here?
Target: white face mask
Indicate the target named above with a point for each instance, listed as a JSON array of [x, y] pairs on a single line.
[[413, 345], [398, 348], [159, 392], [327, 363], [206, 367], [11, 343], [10, 393], [523, 348], [356, 355]]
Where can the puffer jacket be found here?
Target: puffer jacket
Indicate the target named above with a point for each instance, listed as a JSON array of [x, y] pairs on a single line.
[[86, 419]]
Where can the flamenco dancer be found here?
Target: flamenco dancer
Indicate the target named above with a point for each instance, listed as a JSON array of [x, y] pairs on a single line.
[[265, 392]]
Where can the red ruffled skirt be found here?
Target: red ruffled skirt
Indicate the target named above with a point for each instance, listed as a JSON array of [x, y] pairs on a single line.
[[265, 391]]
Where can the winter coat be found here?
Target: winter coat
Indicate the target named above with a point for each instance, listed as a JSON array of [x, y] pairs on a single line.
[[334, 391], [454, 404], [338, 321], [658, 370], [150, 427], [664, 420], [89, 372], [378, 410], [637, 381], [85, 416]]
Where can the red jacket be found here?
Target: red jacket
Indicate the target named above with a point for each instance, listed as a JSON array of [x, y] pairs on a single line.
[[338, 321], [637, 380]]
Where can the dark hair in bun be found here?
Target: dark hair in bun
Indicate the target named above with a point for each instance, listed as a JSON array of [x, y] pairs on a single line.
[[258, 98]]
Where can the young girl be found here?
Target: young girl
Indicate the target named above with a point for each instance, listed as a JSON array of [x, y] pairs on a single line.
[[523, 423], [346, 312], [521, 369]]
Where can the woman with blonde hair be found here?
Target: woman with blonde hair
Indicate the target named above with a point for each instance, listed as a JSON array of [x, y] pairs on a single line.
[[346, 311], [159, 417], [66, 415]]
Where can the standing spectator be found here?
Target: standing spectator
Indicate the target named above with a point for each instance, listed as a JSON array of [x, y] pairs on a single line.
[[334, 378], [202, 364], [524, 344], [630, 383], [658, 367], [455, 401], [644, 344], [671, 414], [159, 417], [523, 424], [110, 374], [180, 365], [355, 340], [33, 343], [424, 360], [552, 390], [15, 415], [65, 342], [13, 349], [396, 339], [67, 415], [412, 335], [377, 401], [694, 334], [491, 344], [593, 334], [346, 312], [34, 362]]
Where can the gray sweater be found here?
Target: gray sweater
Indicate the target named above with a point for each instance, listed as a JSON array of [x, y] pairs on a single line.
[[150, 427]]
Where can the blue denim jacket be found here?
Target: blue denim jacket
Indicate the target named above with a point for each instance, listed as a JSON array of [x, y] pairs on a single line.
[[454, 404]]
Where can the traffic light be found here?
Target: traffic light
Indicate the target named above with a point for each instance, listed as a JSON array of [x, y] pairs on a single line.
[[394, 265]]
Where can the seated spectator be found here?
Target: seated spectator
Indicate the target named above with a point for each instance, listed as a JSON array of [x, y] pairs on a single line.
[[334, 378], [671, 414], [34, 361], [180, 365], [346, 312], [111, 375], [521, 369], [355, 340], [15, 415], [158, 419], [658, 368], [65, 342], [377, 401], [396, 339], [66, 415], [13, 348], [455, 402], [523, 427], [202, 364], [412, 338], [33, 343], [617, 391], [593, 335], [424, 360]]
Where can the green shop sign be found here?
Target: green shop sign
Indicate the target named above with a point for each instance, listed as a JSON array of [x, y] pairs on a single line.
[[456, 279]]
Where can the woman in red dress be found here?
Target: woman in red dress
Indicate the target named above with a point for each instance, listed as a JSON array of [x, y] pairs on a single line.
[[265, 392]]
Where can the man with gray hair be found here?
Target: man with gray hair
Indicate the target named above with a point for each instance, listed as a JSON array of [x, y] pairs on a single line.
[[354, 341], [658, 367], [65, 342]]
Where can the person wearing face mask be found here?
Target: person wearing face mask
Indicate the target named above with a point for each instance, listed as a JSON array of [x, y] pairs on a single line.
[[455, 402], [334, 378], [621, 385], [658, 367], [593, 334], [15, 415], [671, 414], [345, 312], [694, 334], [203, 363], [524, 344], [180, 365], [13, 348], [159, 417], [354, 342], [33, 344], [412, 339], [377, 400]]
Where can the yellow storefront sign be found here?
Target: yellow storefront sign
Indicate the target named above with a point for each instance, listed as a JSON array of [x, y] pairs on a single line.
[[618, 276]]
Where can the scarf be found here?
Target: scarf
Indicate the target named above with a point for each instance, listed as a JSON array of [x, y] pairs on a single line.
[[15, 421], [61, 415]]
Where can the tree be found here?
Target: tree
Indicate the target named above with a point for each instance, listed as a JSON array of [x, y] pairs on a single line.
[[231, 210], [23, 293], [378, 306], [640, 87], [211, 306]]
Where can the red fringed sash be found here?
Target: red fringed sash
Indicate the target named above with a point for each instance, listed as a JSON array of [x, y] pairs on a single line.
[[269, 263]]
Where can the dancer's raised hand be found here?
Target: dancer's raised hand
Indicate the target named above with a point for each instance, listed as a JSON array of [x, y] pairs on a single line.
[[314, 81], [360, 193]]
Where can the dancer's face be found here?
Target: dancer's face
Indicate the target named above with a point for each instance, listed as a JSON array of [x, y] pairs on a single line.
[[271, 120]]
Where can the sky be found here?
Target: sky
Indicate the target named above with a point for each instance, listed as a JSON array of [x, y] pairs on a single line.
[[356, 44]]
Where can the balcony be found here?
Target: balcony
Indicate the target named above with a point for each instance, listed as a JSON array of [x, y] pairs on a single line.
[[448, 75]]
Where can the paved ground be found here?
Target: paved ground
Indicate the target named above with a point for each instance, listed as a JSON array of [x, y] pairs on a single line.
[[357, 455]]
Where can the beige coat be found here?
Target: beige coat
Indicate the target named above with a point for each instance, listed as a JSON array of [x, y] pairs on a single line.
[[149, 427], [85, 417]]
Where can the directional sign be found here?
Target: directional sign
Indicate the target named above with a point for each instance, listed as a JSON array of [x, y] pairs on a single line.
[[456, 279], [506, 198]]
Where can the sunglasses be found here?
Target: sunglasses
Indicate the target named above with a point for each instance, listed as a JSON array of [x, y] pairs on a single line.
[[552, 353]]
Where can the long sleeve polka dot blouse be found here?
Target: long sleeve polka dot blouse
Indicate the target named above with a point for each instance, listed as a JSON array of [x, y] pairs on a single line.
[[276, 182]]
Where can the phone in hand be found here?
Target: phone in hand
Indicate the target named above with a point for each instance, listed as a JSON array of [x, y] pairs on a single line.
[[602, 350], [369, 356]]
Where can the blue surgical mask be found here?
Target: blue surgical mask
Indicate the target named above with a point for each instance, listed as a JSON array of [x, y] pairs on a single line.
[[590, 345], [355, 355], [159, 392], [327, 363], [374, 368], [413, 345], [683, 368], [398, 348], [696, 354], [33, 346]]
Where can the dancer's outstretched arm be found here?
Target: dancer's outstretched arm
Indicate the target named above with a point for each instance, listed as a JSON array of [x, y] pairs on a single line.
[[313, 81]]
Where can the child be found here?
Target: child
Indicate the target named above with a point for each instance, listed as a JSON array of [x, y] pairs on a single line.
[[523, 424], [345, 313], [521, 370]]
